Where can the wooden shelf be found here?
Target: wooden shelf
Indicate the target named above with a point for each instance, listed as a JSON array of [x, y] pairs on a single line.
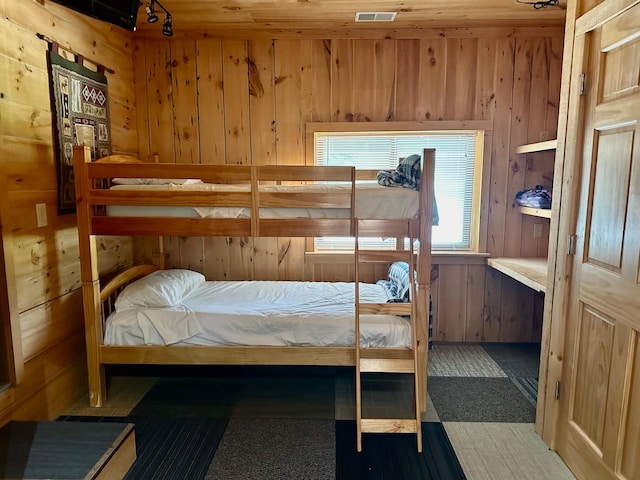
[[535, 212], [531, 272], [537, 147]]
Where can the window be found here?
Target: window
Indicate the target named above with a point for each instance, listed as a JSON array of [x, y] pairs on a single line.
[[457, 176]]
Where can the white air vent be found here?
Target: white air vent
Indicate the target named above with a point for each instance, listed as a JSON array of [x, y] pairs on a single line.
[[375, 16]]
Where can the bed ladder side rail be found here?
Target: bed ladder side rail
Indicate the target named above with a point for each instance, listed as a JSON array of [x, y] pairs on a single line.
[[377, 360]]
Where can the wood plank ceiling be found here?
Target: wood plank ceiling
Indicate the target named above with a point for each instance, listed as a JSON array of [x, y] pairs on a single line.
[[232, 18]]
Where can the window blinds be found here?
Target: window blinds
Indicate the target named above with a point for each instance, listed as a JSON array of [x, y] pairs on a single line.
[[454, 176]]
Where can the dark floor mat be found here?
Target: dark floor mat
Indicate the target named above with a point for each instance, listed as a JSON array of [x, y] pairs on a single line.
[[287, 397], [528, 386], [460, 399], [190, 397], [279, 448], [395, 456], [516, 359]]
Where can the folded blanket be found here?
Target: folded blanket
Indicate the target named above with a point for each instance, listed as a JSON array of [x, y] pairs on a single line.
[[406, 174]]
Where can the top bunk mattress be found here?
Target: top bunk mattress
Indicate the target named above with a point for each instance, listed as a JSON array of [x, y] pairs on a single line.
[[371, 201], [266, 313]]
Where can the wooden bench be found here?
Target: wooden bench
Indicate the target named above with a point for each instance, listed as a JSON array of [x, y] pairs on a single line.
[[70, 450]]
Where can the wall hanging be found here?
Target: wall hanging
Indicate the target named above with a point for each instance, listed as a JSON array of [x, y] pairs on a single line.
[[80, 109]]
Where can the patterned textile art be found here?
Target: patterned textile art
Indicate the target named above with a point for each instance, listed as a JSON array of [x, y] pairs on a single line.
[[80, 107]]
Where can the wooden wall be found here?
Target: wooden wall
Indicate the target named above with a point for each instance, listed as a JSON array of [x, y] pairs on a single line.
[[42, 264], [247, 102]]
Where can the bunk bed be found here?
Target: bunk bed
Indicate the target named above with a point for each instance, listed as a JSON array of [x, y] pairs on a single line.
[[253, 199]]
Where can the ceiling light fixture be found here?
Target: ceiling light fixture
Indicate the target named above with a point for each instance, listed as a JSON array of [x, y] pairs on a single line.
[[151, 14], [152, 17], [167, 26]]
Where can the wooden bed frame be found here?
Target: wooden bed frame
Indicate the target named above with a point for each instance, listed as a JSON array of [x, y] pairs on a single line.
[[92, 196]]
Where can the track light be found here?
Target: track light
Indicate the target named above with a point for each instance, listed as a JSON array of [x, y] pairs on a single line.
[[152, 17], [167, 26], [151, 14]]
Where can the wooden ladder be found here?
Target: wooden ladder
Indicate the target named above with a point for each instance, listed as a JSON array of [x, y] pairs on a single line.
[[386, 360]]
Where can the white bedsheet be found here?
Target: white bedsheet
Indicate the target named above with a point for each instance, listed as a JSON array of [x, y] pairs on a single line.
[[372, 201], [267, 313]]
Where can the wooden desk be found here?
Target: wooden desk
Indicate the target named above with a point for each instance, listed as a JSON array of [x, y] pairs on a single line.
[[532, 272]]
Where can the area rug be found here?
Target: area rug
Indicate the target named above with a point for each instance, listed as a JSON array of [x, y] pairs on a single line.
[[190, 397], [395, 456], [178, 426], [300, 396], [459, 399], [236, 427], [462, 361], [528, 386], [516, 359], [278, 448]]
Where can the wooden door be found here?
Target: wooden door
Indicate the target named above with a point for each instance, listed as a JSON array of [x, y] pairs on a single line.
[[599, 425]]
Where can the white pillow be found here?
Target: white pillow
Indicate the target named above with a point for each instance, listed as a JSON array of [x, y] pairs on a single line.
[[163, 288], [156, 181]]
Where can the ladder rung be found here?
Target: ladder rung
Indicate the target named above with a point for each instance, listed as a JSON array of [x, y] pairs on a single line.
[[383, 256], [386, 365], [387, 352], [385, 308], [389, 425]]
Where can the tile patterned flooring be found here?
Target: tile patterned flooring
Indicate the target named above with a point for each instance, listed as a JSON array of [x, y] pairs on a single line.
[[496, 450], [490, 446]]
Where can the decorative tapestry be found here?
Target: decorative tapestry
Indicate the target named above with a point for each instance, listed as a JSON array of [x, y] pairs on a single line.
[[80, 107]]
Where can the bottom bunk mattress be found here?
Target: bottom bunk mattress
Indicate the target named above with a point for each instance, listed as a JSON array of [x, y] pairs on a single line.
[[266, 313]]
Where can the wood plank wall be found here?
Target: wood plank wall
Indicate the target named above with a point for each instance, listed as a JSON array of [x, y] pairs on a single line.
[[42, 264], [247, 102]]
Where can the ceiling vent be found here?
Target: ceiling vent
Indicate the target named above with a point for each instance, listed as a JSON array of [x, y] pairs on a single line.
[[375, 16]]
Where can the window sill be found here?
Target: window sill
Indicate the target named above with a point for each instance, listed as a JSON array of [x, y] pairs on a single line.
[[437, 257]]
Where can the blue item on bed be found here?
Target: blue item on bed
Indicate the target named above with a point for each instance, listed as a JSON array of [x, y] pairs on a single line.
[[398, 285], [407, 174]]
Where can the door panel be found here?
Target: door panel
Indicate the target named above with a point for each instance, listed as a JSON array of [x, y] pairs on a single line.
[[609, 197], [600, 414], [625, 62], [593, 371], [630, 467]]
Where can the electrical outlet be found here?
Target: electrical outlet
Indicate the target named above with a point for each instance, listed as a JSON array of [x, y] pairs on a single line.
[[537, 230], [41, 214]]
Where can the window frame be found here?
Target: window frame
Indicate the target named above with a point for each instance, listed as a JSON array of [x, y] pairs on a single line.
[[482, 128]]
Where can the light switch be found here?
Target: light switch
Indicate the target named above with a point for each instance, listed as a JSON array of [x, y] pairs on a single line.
[[41, 214], [537, 230]]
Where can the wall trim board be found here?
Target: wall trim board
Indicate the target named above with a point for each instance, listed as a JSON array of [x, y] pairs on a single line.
[[416, 32], [399, 125]]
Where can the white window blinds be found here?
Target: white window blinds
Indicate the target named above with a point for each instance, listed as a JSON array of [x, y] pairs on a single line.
[[454, 176]]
